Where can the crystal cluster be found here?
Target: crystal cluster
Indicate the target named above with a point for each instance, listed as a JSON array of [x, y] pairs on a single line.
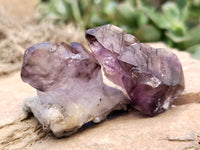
[[76, 86]]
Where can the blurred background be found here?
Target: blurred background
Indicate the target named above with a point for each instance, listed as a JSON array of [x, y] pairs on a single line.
[[26, 22]]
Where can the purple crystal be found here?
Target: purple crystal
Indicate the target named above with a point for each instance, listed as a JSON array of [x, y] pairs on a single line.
[[152, 78], [71, 89], [69, 85], [49, 65]]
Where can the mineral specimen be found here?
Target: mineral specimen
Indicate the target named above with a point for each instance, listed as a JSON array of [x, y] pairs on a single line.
[[76, 86], [70, 88], [151, 78]]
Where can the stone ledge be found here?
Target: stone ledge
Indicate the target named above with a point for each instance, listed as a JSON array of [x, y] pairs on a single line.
[[177, 128]]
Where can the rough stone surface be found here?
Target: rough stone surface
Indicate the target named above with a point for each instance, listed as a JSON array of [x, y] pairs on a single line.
[[178, 128], [16, 130]]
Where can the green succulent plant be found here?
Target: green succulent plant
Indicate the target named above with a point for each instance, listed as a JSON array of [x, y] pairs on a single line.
[[176, 22]]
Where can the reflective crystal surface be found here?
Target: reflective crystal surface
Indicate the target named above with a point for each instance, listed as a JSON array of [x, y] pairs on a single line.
[[151, 78], [70, 88]]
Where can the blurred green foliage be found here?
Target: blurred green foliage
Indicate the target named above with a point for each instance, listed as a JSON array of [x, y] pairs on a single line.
[[175, 22]]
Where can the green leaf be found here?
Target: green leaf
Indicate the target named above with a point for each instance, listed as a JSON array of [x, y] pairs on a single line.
[[172, 12], [95, 20], [195, 51], [43, 10], [194, 35], [76, 12], [148, 33], [132, 2], [175, 17], [175, 38], [126, 14], [159, 19], [46, 11], [142, 20], [86, 4], [195, 2], [59, 6], [181, 3], [109, 7]]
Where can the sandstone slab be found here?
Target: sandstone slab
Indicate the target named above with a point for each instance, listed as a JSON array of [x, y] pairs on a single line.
[[16, 130], [178, 128]]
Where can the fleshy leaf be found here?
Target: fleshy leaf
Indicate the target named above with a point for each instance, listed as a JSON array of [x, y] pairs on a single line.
[[194, 36], [148, 33], [109, 7], [171, 11], [159, 19], [126, 13], [175, 38], [59, 6]]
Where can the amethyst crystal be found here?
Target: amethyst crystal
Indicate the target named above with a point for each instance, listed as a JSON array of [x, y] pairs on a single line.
[[69, 86], [151, 78], [76, 86]]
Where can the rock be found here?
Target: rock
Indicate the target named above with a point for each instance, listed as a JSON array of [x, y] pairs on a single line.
[[191, 74], [17, 130], [151, 77], [70, 88], [178, 128], [175, 129]]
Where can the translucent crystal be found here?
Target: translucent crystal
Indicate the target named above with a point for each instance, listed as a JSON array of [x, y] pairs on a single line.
[[151, 78], [70, 88]]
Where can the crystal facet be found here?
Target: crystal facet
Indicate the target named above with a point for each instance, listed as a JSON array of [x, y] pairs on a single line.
[[152, 78]]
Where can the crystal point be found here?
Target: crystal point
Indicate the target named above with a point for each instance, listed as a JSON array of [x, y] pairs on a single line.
[[70, 88], [152, 78]]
